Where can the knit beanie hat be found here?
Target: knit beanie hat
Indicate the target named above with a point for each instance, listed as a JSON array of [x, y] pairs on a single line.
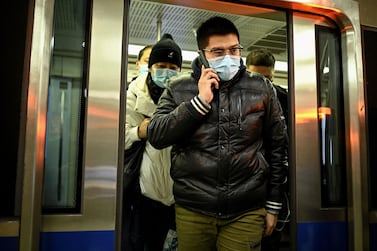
[[166, 50]]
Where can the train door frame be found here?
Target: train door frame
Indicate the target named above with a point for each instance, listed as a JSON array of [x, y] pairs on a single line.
[[32, 222], [345, 15], [337, 13]]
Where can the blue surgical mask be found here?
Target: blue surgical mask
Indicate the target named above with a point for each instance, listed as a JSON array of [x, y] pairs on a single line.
[[143, 68], [226, 66], [161, 76]]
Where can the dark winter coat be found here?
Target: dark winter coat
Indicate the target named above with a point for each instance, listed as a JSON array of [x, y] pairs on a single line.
[[231, 159]]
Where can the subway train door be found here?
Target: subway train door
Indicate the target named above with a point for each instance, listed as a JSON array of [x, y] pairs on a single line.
[[319, 138], [319, 125], [66, 186]]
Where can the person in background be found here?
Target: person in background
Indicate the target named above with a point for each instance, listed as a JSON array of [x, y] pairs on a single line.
[[157, 202], [229, 148], [142, 60], [262, 61]]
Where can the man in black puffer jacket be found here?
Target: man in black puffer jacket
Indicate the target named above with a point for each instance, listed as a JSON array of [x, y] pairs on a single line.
[[229, 156]]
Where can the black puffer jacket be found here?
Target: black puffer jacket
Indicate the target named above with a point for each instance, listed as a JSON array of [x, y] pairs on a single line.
[[230, 160]]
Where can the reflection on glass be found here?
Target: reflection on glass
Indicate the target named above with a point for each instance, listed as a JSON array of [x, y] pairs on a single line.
[[331, 118], [370, 52], [65, 116]]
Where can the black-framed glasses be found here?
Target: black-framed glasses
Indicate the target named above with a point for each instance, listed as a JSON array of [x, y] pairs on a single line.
[[236, 50]]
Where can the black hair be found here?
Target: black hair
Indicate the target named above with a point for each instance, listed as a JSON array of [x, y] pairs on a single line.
[[260, 57], [141, 52], [214, 26]]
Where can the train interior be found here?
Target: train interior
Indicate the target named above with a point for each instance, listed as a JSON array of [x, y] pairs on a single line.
[[68, 186]]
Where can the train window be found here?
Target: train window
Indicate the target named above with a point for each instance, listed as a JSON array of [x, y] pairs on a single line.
[[65, 110], [331, 118], [370, 55]]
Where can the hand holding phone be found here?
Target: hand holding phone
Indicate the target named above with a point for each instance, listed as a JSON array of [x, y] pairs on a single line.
[[209, 81], [203, 59]]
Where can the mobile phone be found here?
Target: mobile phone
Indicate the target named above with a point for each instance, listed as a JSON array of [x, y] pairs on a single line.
[[203, 59]]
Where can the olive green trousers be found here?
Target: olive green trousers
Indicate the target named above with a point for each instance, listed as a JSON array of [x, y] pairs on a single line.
[[197, 232]]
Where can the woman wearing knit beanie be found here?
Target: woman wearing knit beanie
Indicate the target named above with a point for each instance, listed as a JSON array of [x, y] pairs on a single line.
[[155, 209]]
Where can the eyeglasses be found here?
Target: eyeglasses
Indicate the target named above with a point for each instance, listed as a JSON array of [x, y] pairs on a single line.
[[222, 52]]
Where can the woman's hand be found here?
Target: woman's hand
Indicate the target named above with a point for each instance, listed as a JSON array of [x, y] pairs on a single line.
[[142, 129]]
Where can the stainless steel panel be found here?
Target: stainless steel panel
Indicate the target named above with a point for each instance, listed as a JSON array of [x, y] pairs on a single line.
[[306, 134], [347, 20], [35, 124], [356, 133], [102, 127]]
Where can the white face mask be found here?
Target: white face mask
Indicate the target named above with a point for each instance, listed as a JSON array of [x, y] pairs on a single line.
[[226, 66]]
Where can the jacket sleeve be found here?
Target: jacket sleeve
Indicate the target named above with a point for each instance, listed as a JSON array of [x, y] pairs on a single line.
[[276, 142], [133, 119], [175, 119]]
